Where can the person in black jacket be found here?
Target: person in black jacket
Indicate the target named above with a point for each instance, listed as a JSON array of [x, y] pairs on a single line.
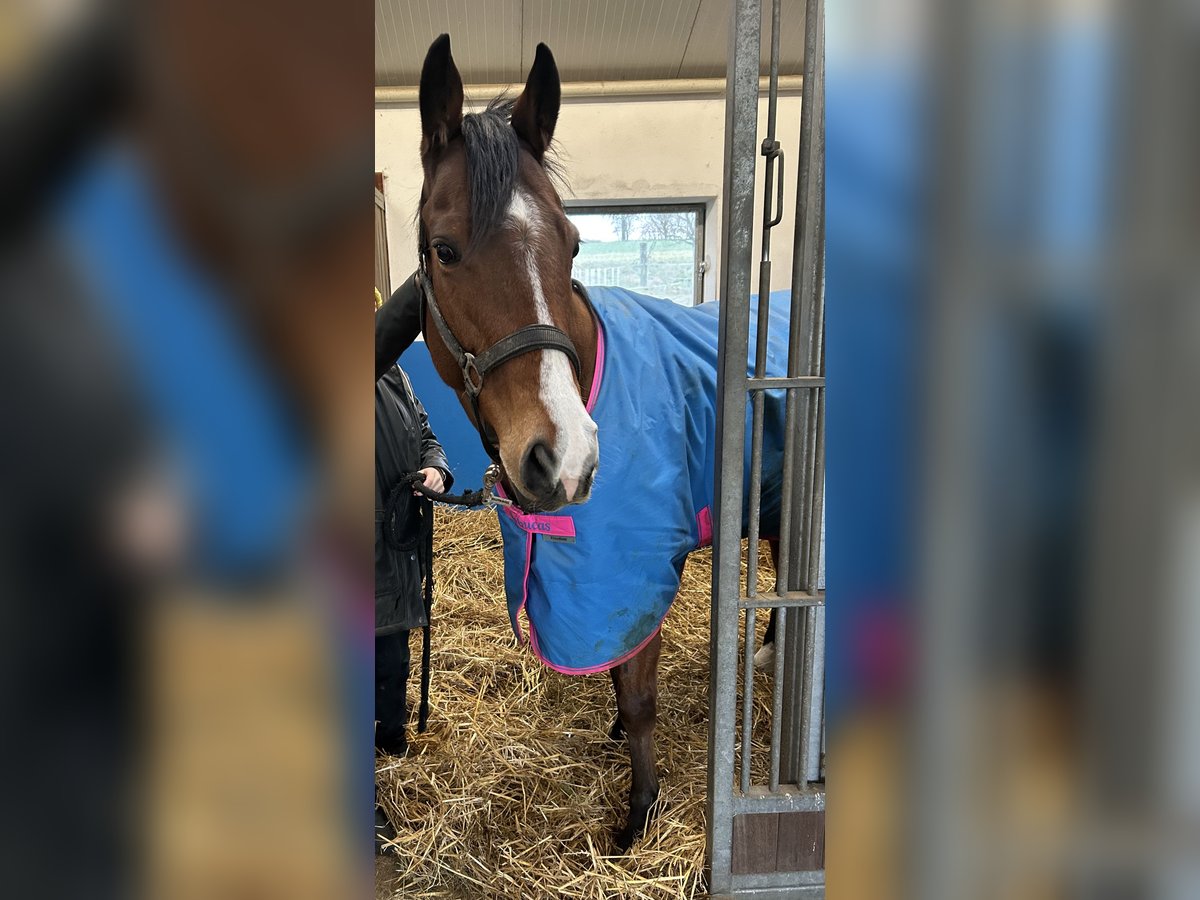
[[404, 443]]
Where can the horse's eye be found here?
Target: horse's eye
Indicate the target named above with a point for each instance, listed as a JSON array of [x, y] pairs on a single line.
[[445, 254], [575, 252]]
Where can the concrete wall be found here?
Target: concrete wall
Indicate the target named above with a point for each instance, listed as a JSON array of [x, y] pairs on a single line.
[[622, 150]]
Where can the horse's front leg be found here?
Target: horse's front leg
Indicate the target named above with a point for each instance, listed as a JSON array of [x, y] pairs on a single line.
[[765, 657], [636, 686]]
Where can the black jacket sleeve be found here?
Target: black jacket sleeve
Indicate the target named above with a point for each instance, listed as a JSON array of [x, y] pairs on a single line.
[[397, 324], [432, 453]]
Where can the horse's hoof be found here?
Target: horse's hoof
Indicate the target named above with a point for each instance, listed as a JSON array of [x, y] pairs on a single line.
[[635, 826], [617, 732], [625, 837]]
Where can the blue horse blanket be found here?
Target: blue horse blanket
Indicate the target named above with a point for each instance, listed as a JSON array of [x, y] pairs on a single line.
[[596, 580]]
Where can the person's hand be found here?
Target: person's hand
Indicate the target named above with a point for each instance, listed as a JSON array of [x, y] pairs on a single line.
[[433, 480]]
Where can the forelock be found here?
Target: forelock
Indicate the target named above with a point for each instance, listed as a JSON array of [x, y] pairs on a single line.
[[493, 159]]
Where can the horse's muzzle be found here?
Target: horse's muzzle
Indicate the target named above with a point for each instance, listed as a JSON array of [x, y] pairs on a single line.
[[546, 486]]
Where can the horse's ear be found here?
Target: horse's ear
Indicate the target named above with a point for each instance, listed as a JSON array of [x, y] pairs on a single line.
[[535, 113], [441, 97]]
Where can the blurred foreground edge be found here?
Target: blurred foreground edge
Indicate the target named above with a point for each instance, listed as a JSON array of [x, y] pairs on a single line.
[[185, 267]]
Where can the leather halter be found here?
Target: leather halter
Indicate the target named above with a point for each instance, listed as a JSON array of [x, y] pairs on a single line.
[[475, 367]]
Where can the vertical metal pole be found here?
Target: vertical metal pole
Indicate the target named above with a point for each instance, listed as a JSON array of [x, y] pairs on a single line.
[[747, 698], [814, 736], [791, 626], [772, 213], [805, 336], [781, 650], [814, 695], [816, 519], [771, 216], [737, 228]]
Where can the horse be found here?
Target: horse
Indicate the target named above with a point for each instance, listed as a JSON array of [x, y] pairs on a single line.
[[593, 557]]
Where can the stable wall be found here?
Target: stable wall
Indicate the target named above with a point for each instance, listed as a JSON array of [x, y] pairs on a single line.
[[648, 149]]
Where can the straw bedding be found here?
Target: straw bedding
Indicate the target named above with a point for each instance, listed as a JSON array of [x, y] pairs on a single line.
[[515, 790]]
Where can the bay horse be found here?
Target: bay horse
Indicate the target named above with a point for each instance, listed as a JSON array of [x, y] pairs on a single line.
[[537, 361]]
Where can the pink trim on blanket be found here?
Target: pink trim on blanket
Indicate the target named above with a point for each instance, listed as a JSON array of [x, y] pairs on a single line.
[[598, 368], [590, 670], [704, 524], [524, 588]]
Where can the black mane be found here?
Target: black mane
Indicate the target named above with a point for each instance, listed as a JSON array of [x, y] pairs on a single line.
[[493, 152]]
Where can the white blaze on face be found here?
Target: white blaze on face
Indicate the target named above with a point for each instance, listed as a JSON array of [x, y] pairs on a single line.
[[575, 446]]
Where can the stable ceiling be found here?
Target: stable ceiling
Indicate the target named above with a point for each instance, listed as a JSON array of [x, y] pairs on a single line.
[[592, 40]]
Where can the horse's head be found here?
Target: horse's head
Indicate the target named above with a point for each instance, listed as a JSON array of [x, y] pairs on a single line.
[[498, 247]]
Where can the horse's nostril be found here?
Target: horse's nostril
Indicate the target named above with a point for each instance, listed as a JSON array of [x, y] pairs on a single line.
[[539, 468]]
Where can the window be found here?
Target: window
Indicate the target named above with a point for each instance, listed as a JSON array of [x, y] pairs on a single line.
[[655, 250]]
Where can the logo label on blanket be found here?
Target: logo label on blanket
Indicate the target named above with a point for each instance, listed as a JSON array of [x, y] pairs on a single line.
[[557, 527], [560, 538]]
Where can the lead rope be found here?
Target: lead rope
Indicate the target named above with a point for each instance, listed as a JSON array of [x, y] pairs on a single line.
[[480, 497], [427, 564]]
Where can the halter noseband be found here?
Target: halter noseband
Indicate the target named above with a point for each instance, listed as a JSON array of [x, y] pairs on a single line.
[[476, 366]]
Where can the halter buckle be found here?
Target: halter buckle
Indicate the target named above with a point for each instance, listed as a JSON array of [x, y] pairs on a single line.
[[472, 377]]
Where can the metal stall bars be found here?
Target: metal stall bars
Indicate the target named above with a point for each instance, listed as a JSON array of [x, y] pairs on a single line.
[[766, 839]]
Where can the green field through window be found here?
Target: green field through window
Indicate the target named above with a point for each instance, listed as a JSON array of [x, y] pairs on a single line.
[[655, 252]]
